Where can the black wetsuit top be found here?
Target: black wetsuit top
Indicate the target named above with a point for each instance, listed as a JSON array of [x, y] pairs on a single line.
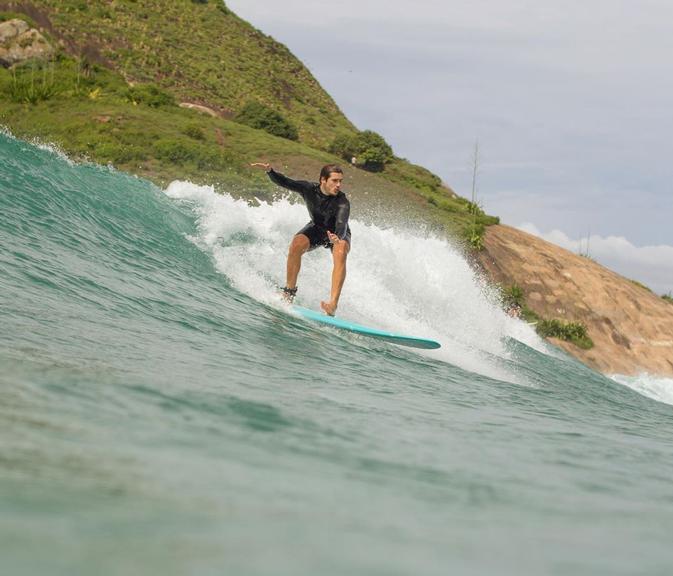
[[327, 212]]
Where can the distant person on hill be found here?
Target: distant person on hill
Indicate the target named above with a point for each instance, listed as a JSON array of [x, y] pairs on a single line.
[[329, 210]]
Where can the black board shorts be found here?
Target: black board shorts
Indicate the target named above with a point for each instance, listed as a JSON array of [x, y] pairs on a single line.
[[317, 236]]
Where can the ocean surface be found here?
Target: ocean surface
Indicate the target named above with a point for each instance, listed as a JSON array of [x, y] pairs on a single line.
[[162, 412]]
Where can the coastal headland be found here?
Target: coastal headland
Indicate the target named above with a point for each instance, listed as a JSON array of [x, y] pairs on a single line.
[[187, 90]]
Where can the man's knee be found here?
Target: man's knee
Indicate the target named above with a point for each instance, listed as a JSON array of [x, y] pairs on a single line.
[[299, 245]]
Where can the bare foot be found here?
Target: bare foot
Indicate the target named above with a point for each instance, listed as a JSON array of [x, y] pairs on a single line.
[[328, 308]]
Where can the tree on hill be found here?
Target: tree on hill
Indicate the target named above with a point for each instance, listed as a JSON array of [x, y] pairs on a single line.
[[368, 147], [256, 115]]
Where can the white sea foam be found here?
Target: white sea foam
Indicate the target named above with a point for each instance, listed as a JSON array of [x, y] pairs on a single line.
[[655, 387], [397, 280]]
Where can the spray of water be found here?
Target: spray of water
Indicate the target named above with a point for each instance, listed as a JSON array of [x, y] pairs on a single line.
[[655, 387], [397, 280]]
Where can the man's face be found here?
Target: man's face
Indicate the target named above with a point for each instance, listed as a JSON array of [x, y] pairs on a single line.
[[332, 185]]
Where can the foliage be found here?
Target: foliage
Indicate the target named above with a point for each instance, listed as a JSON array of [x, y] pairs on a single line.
[[32, 84], [668, 297], [195, 132], [64, 77], [574, 332], [5, 16], [476, 238], [513, 296], [149, 94], [343, 146], [119, 154], [368, 148], [373, 150], [200, 52], [256, 115], [175, 151]]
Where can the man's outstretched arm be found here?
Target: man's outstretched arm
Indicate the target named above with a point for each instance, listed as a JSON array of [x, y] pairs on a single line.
[[299, 186]]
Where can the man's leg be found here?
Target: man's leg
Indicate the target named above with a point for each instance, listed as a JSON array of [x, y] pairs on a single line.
[[299, 245], [339, 255]]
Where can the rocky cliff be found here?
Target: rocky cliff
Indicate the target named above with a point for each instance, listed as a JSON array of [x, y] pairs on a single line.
[[631, 327]]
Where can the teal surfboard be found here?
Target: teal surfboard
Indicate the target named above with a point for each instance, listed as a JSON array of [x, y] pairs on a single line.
[[400, 339]]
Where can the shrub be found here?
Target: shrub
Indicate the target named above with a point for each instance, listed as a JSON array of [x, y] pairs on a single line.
[[120, 153], [487, 220], [256, 115], [474, 208], [668, 297], [368, 147], [150, 95], [477, 237], [32, 84], [513, 296], [344, 146], [175, 151], [574, 332], [194, 131], [374, 150]]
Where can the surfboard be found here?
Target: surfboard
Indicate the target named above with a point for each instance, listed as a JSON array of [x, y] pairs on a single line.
[[394, 338]]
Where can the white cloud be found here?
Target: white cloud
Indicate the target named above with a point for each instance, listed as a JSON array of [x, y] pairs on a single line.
[[651, 265]]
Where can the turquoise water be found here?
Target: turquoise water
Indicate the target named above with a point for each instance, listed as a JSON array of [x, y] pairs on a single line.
[[162, 413]]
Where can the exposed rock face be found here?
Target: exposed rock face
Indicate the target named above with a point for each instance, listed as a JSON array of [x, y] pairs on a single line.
[[631, 327], [19, 42]]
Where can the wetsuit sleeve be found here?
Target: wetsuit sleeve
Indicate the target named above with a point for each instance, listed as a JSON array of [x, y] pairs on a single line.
[[299, 186], [343, 212]]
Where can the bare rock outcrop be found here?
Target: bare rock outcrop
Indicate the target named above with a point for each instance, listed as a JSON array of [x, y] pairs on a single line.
[[20, 42], [631, 327]]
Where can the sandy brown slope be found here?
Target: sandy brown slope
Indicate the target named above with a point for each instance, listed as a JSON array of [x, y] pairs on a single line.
[[631, 327]]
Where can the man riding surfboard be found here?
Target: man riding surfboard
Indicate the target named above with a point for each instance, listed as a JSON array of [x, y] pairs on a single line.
[[329, 210]]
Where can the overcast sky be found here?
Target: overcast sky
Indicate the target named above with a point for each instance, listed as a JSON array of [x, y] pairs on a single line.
[[570, 102]]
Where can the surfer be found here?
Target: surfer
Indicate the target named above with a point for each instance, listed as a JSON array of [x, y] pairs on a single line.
[[329, 210]]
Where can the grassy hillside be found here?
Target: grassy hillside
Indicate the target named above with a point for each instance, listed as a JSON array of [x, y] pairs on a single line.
[[200, 51], [124, 66]]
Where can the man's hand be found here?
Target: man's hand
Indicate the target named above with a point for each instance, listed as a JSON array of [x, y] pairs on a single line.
[[264, 165], [333, 238]]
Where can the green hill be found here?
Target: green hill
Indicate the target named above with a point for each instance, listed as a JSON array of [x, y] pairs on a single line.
[[200, 51], [124, 68]]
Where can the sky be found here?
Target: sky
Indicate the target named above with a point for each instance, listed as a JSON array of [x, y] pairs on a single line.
[[570, 102]]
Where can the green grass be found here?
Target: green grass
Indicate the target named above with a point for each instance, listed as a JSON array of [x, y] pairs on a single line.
[[95, 116], [200, 53]]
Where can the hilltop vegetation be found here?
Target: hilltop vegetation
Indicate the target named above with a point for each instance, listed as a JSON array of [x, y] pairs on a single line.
[[123, 68], [201, 52]]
